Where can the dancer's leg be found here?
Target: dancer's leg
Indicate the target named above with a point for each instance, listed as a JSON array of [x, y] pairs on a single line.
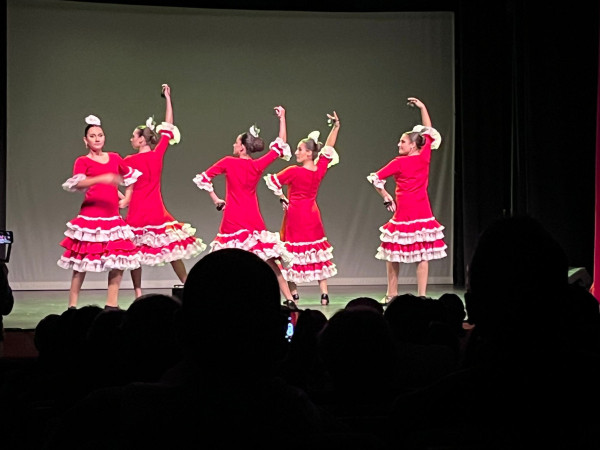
[[180, 270], [76, 283], [393, 269], [422, 274], [114, 282], [283, 285], [136, 278]]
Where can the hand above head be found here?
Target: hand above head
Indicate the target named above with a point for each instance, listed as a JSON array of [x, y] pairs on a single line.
[[280, 111], [413, 101], [166, 90], [333, 119]]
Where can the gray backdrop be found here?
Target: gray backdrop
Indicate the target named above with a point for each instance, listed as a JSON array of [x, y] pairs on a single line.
[[227, 70]]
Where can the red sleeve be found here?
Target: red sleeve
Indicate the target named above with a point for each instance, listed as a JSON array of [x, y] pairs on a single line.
[[163, 144], [286, 175], [80, 166], [217, 168], [263, 162], [389, 169]]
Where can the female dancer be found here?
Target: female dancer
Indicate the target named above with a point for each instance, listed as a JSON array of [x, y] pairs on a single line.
[[242, 225], [98, 239], [302, 229], [412, 235], [159, 237]]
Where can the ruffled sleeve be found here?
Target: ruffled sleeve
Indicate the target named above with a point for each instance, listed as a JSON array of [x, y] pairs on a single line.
[[203, 182], [71, 184], [273, 183], [282, 148], [171, 131], [373, 178], [329, 153], [131, 176], [435, 135]]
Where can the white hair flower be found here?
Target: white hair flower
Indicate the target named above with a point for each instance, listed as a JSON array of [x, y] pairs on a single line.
[[150, 123], [92, 120], [314, 135], [254, 130]]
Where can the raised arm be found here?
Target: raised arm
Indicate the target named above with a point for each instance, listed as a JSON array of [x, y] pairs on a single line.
[[335, 127], [425, 119], [166, 92], [280, 111]]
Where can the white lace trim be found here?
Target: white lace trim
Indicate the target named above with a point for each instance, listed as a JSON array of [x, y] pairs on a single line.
[[131, 177], [411, 257], [166, 256], [98, 235], [104, 264], [282, 148], [375, 181], [71, 184], [267, 237], [203, 182], [329, 152], [273, 184], [435, 135], [403, 238], [295, 276]]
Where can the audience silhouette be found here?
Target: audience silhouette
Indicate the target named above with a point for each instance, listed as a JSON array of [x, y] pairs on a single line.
[[215, 367]]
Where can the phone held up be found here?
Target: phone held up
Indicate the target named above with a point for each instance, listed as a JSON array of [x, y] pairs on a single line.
[[6, 241]]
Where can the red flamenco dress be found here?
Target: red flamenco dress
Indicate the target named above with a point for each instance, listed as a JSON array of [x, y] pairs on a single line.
[[412, 234], [242, 225], [159, 237], [302, 229], [98, 239]]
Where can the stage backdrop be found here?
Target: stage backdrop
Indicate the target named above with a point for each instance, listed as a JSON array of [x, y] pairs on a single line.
[[227, 70]]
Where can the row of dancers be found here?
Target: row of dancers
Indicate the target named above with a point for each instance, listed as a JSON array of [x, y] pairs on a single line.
[[99, 239]]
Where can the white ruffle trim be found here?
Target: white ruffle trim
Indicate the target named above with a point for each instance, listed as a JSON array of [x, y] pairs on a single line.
[[157, 240], [167, 256], [425, 235], [273, 184], [411, 257], [105, 264], [173, 131], [203, 182], [71, 184], [267, 237], [435, 135], [98, 235], [131, 177], [329, 152], [375, 181], [282, 148], [295, 276]]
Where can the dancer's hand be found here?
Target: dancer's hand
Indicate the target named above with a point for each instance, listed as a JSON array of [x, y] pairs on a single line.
[[280, 111], [413, 101], [389, 203]]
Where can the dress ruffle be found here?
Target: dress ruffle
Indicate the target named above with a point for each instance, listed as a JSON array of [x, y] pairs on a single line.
[[266, 244], [412, 241], [311, 261], [95, 244], [282, 148], [171, 241], [203, 182]]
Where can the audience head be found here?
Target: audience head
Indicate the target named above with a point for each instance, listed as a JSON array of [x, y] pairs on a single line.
[[365, 302], [516, 279], [232, 322]]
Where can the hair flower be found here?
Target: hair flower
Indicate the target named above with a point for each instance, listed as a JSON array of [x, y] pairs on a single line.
[[92, 120], [254, 130], [150, 123], [314, 135]]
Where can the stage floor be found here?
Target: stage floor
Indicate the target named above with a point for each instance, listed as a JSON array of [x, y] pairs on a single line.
[[32, 306]]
